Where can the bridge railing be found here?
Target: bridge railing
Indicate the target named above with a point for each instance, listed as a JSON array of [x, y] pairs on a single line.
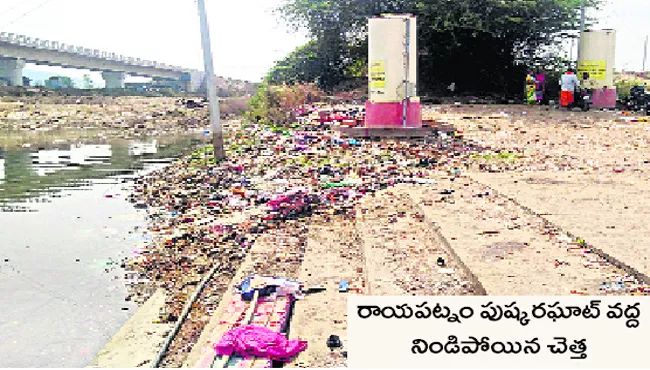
[[93, 53]]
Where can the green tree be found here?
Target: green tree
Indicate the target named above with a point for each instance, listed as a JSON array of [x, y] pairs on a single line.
[[482, 45], [88, 82]]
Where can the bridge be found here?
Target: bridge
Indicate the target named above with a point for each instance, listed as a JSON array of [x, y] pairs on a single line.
[[17, 50]]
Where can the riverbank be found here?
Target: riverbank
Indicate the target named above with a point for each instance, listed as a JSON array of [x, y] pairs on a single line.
[[106, 117], [428, 199], [65, 293]]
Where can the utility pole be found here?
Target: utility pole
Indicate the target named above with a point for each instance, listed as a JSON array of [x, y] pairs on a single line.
[[645, 53], [582, 27], [215, 119], [407, 45]]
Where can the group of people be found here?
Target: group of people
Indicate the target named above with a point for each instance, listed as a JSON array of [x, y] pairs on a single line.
[[536, 84]]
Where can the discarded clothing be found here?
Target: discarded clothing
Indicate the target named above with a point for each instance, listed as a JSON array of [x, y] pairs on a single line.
[[259, 341], [268, 286]]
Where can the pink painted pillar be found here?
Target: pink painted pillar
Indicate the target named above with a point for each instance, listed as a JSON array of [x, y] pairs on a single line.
[[389, 115], [604, 98]]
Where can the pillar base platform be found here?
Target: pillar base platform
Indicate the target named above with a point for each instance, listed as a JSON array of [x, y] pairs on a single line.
[[604, 98], [389, 115]]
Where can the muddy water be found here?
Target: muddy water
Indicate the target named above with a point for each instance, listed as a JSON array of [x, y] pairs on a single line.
[[65, 225]]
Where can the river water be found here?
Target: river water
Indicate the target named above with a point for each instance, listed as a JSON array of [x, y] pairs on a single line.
[[65, 225]]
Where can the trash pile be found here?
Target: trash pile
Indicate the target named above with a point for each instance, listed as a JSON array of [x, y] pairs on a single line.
[[202, 213]]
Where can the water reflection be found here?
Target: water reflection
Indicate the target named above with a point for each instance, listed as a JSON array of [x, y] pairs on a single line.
[[29, 172], [63, 223], [2, 167], [45, 162], [139, 148]]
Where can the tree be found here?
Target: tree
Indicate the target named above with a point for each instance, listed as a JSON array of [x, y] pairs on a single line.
[[88, 82], [482, 45], [299, 66], [60, 82]]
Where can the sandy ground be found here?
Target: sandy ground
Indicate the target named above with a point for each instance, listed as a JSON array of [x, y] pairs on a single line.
[[326, 263], [511, 252], [403, 255], [583, 172], [610, 212]]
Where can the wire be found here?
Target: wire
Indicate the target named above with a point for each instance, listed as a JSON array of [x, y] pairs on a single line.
[[19, 3], [26, 13], [181, 320]]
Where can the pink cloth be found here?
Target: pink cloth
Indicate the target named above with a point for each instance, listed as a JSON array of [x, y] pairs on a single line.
[[258, 341]]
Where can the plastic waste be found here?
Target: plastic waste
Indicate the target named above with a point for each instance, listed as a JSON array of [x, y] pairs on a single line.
[[270, 286]]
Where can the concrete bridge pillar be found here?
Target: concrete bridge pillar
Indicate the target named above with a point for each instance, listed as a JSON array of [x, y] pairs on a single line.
[[195, 81], [114, 80], [11, 71]]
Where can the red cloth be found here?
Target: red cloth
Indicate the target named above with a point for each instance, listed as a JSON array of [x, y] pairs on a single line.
[[566, 98], [259, 341]]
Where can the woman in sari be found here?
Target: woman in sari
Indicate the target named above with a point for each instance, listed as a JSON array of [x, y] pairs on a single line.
[[531, 89], [541, 87]]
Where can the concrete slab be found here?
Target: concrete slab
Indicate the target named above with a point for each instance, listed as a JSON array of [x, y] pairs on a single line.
[[510, 251], [367, 132], [610, 211], [138, 342]]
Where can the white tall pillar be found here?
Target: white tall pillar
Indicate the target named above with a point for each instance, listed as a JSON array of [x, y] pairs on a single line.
[[114, 80], [11, 70], [197, 82]]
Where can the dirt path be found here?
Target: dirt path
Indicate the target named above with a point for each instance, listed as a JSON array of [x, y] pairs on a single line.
[[386, 248], [611, 212], [403, 254], [510, 251], [333, 253]]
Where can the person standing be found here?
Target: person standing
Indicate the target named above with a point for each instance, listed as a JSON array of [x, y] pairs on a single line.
[[531, 87], [569, 82], [541, 87]]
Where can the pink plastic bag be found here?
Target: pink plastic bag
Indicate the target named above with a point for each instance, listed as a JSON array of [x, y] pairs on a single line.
[[251, 340]]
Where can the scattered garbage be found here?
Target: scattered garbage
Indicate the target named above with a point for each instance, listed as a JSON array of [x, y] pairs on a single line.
[[344, 286], [202, 212], [270, 287], [334, 342]]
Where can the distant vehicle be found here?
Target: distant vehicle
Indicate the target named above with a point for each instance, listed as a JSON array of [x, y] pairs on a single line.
[[583, 99], [638, 101]]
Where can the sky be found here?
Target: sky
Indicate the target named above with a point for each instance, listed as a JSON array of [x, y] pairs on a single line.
[[246, 37]]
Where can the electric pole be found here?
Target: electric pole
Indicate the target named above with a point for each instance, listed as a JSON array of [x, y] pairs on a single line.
[[213, 99], [582, 27], [645, 53]]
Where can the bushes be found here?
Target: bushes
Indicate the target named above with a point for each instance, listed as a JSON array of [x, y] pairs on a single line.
[[277, 104], [234, 106], [623, 86]]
